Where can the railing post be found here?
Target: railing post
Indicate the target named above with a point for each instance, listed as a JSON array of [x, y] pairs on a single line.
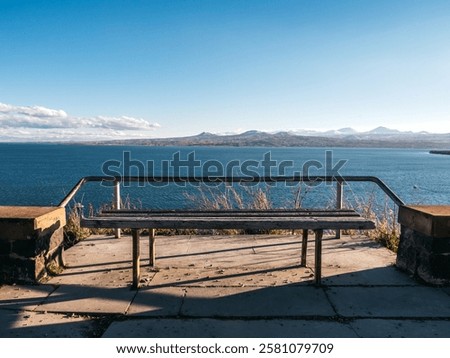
[[117, 202], [339, 195]]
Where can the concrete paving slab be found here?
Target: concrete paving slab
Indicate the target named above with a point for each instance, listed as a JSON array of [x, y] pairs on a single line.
[[23, 297], [376, 276], [252, 250], [88, 300], [99, 261], [39, 325], [231, 286], [357, 260], [231, 277], [276, 250], [151, 302], [103, 277], [182, 250], [215, 328], [387, 328], [342, 252], [390, 302], [281, 301], [98, 249]]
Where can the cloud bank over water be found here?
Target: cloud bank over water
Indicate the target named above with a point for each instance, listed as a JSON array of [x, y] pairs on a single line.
[[37, 123]]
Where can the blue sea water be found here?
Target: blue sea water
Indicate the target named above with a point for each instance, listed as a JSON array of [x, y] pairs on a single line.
[[42, 174]]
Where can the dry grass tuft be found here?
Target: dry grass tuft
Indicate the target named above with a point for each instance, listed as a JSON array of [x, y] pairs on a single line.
[[73, 232], [387, 230]]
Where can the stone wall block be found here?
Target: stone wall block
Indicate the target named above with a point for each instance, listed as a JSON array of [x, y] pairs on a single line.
[[23, 272], [24, 248], [5, 247], [441, 246], [31, 240], [424, 248], [440, 263]]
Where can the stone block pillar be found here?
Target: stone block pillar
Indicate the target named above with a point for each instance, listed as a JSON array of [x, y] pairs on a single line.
[[424, 248], [31, 242]]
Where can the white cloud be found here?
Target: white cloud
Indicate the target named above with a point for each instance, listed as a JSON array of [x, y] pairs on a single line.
[[120, 123], [38, 123]]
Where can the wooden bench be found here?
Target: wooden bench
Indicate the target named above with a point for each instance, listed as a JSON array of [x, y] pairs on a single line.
[[316, 220]]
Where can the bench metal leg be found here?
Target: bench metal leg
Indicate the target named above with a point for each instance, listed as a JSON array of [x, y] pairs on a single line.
[[304, 247], [152, 247], [339, 198], [136, 259], [318, 256]]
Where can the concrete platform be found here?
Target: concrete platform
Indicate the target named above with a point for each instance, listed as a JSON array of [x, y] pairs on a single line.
[[215, 328], [227, 286]]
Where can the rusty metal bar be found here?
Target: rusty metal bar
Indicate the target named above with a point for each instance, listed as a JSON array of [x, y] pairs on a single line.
[[339, 197], [72, 192], [242, 180], [151, 246], [304, 247], [136, 258], [318, 257]]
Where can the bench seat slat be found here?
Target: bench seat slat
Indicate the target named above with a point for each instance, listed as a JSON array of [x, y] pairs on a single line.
[[230, 222]]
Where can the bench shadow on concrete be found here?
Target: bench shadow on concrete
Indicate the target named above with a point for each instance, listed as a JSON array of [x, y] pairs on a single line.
[[246, 301], [125, 264], [302, 309]]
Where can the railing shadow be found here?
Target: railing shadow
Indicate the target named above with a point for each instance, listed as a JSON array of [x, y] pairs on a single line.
[[189, 300], [232, 292]]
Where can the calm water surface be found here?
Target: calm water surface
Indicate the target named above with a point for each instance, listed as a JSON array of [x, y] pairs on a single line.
[[42, 174]]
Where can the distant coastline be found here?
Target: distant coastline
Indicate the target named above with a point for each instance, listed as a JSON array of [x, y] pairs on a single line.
[[444, 152], [378, 138]]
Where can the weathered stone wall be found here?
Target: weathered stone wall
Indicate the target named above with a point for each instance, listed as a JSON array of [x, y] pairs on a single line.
[[424, 248], [31, 243], [424, 256]]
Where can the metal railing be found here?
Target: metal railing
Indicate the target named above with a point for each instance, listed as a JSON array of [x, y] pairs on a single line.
[[340, 181]]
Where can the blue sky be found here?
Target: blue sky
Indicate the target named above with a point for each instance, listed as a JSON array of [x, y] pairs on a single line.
[[164, 68]]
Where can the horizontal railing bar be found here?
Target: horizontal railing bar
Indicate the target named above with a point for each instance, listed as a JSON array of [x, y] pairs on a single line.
[[230, 213]]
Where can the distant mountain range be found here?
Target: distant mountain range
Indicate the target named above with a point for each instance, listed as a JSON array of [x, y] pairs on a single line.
[[380, 137], [379, 131]]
